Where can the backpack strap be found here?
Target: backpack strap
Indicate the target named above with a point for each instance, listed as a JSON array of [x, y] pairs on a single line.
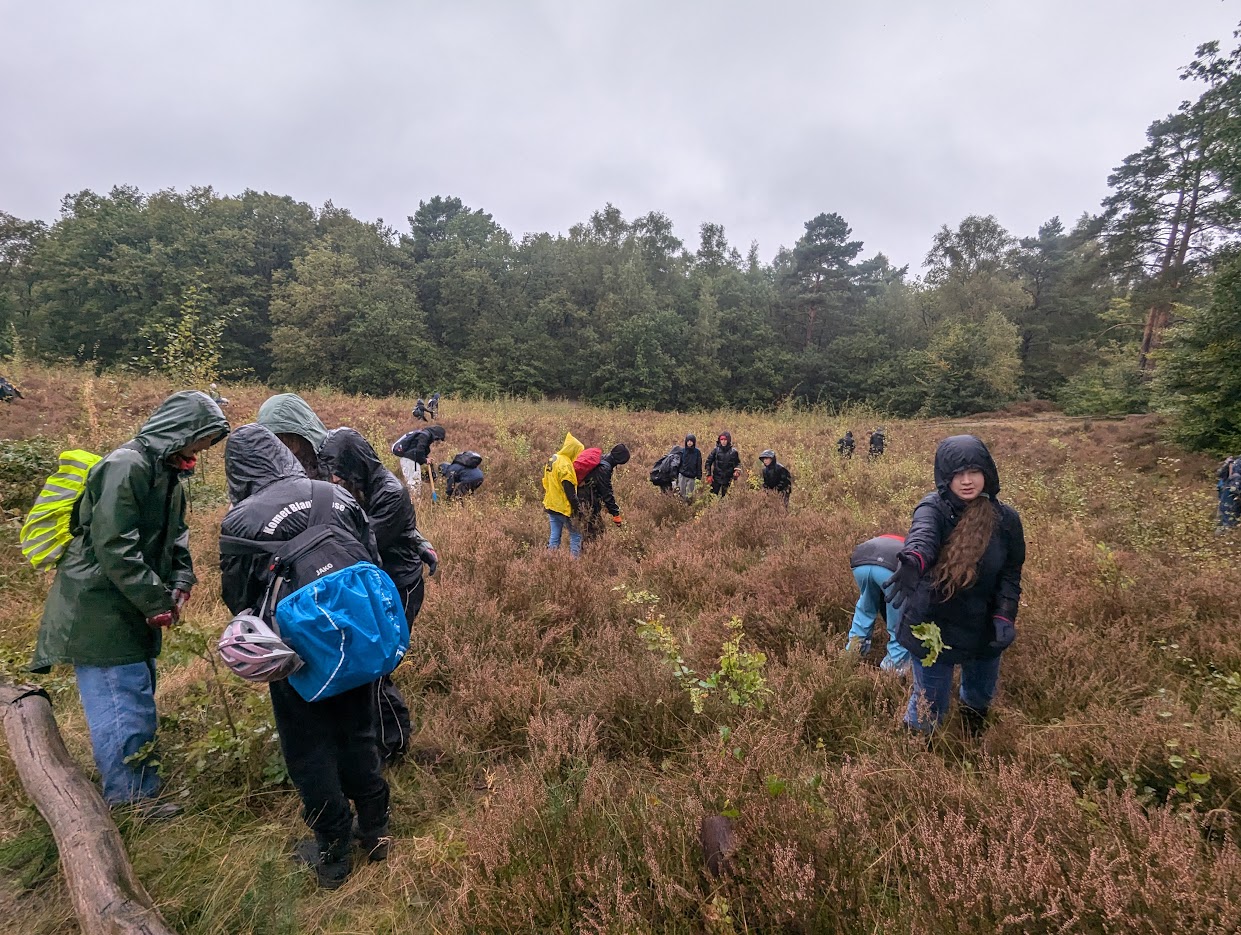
[[321, 500]]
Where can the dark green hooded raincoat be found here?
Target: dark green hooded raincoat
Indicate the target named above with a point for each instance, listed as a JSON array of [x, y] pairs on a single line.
[[131, 545]]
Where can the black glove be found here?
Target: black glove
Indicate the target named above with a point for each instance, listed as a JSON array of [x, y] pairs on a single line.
[[900, 588], [429, 557], [1005, 632]]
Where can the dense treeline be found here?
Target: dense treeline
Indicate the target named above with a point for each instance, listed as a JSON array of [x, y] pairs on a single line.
[[624, 312]]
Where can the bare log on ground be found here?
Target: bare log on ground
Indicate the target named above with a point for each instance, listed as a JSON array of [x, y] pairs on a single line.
[[107, 897]]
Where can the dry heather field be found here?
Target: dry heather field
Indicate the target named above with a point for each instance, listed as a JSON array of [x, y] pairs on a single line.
[[576, 772]]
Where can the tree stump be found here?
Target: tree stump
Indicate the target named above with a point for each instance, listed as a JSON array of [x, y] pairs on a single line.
[[107, 897]]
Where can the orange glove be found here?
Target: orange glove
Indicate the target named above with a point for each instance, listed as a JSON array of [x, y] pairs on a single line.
[[618, 519]]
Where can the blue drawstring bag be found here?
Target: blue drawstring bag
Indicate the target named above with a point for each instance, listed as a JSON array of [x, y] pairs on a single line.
[[348, 627]]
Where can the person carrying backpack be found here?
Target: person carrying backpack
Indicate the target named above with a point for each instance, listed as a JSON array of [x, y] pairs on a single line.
[[560, 496], [330, 746], [125, 577], [414, 448], [433, 406], [290, 419], [8, 392], [877, 440], [595, 491], [1228, 484], [776, 476], [464, 474], [403, 551], [960, 569], [846, 445], [420, 411], [665, 470], [873, 563], [723, 465], [690, 471]]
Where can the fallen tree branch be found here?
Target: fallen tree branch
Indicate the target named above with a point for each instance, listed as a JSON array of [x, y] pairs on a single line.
[[107, 897]]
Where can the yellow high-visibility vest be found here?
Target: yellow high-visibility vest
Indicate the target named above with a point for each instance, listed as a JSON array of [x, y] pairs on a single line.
[[46, 534]]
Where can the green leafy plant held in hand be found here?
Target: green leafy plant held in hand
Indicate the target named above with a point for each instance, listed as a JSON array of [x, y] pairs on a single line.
[[931, 638]]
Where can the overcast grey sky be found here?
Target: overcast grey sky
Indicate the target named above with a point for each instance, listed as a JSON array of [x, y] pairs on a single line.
[[901, 115]]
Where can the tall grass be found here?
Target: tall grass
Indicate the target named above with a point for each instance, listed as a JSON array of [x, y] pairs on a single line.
[[577, 772]]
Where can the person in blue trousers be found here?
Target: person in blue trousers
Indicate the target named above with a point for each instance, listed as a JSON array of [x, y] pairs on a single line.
[[1228, 484], [873, 563], [960, 569]]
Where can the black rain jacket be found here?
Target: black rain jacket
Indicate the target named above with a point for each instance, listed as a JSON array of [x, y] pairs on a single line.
[[965, 619], [723, 460], [385, 499], [777, 477], [595, 491], [271, 497], [691, 459], [416, 445]]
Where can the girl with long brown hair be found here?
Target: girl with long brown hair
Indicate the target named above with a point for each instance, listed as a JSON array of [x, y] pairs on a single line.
[[961, 570]]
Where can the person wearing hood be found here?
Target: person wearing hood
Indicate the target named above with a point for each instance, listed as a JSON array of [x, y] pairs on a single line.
[[433, 406], [776, 476], [723, 464], [690, 472], [124, 577], [459, 479], [877, 440], [560, 496], [595, 493], [846, 444], [419, 411], [960, 569], [403, 551], [290, 419], [414, 448], [331, 746]]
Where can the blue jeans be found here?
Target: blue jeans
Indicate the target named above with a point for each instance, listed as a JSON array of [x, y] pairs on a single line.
[[979, 678], [119, 702], [870, 580], [559, 523]]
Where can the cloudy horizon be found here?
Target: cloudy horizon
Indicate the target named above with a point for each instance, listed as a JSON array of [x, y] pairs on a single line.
[[900, 118]]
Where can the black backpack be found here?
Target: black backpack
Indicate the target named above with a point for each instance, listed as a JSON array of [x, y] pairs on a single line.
[[468, 459], [324, 547], [665, 469]]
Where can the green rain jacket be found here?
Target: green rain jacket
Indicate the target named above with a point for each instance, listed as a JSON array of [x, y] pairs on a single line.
[[130, 546]]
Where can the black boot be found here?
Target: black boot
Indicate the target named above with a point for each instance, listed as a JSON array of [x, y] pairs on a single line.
[[374, 844], [975, 721], [331, 861]]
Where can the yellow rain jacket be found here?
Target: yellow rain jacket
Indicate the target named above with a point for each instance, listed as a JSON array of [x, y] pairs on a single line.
[[558, 470]]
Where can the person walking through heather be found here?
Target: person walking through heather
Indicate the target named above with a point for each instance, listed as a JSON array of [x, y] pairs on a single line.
[[873, 563], [690, 472], [776, 476], [1228, 484], [290, 419], [433, 406], [595, 493], [723, 465], [414, 448], [846, 444], [125, 577], [420, 411], [960, 569], [877, 442], [560, 496], [403, 551], [330, 746]]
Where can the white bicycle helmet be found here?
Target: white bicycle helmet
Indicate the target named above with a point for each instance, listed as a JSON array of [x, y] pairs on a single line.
[[253, 650]]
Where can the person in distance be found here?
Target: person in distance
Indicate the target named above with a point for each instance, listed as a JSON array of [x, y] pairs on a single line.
[[595, 493], [690, 471], [560, 496], [723, 465], [776, 476]]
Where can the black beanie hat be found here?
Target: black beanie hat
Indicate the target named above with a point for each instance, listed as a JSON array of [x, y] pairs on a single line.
[[619, 454]]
